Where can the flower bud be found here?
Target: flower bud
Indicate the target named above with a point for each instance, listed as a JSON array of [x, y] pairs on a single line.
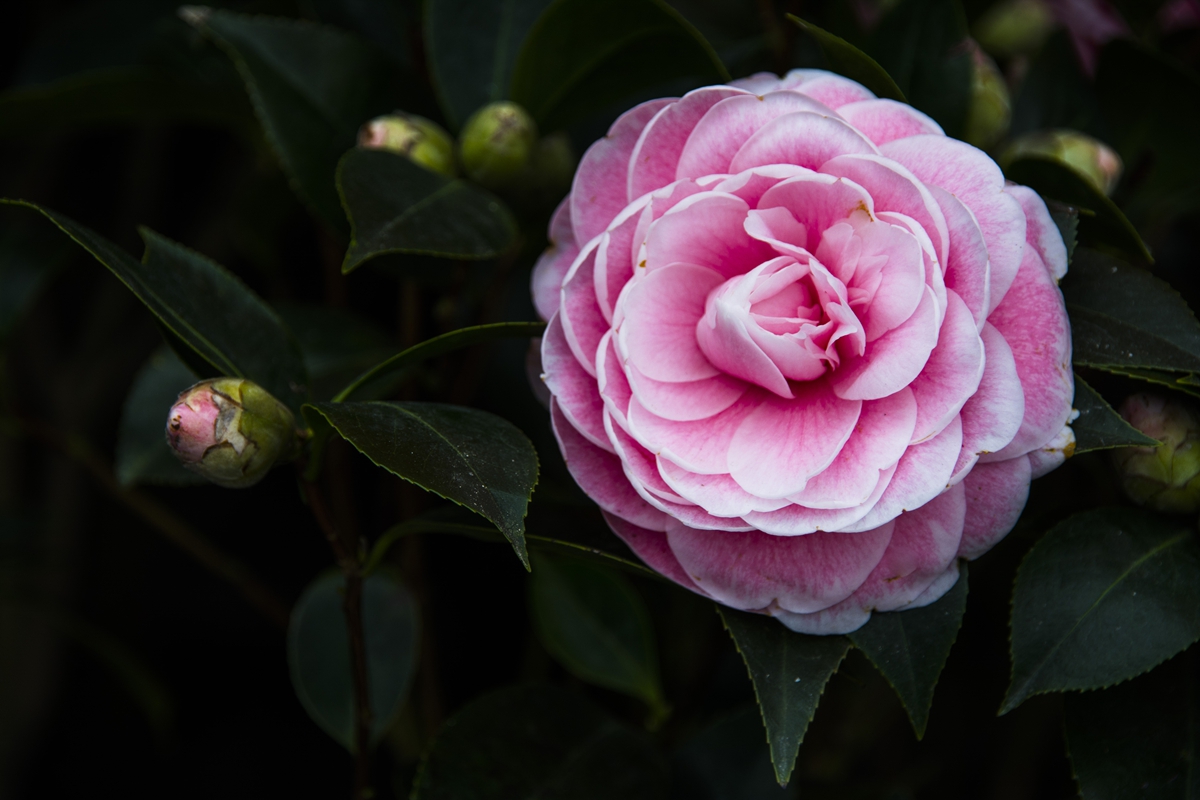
[[990, 109], [1166, 477], [496, 144], [1093, 160], [1014, 27], [416, 138], [231, 431]]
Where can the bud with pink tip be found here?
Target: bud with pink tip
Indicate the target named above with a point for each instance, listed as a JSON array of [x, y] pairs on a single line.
[[231, 431], [1166, 477]]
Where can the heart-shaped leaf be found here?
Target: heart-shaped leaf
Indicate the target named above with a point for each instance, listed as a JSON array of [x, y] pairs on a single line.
[[1103, 597], [789, 671], [1099, 426], [471, 457], [910, 647], [143, 455], [318, 646], [848, 60]]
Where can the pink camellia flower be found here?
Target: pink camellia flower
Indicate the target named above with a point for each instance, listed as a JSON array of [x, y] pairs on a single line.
[[804, 350]]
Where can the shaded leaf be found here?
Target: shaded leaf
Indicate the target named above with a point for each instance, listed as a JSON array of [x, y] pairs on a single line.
[[1122, 316], [910, 647], [471, 457], [1103, 597], [143, 455], [1172, 380], [395, 206], [318, 647], [789, 671], [597, 626], [581, 56], [1099, 426], [473, 45], [1066, 219], [1138, 740], [399, 364], [202, 304], [848, 60], [727, 761], [1106, 225], [539, 741]]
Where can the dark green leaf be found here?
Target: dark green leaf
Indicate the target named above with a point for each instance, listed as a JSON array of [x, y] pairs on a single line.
[[727, 761], [921, 45], [789, 671], [1173, 380], [471, 457], [319, 653], [336, 345], [582, 55], [597, 626], [1106, 225], [202, 304], [395, 206], [1138, 740], [1099, 426], [848, 60], [910, 647], [396, 366], [1103, 597], [142, 452], [1066, 219], [312, 87], [539, 742], [1122, 316], [473, 45]]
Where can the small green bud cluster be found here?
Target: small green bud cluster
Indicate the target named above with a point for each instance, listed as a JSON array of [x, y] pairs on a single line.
[[1166, 477], [1014, 27], [422, 141], [497, 143], [1093, 160]]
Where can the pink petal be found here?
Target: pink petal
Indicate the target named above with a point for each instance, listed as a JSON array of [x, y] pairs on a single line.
[[892, 361], [599, 191], [803, 138], [717, 494], [658, 331], [996, 495], [887, 120], [691, 400], [818, 202], [952, 373], [657, 152], [968, 272], [574, 389], [796, 520], [652, 548], [783, 443], [1040, 231], [845, 617], [701, 446], [753, 183], [552, 265], [706, 230], [614, 260], [725, 128], [582, 321], [977, 182], [601, 476], [1033, 320], [992, 417], [830, 88], [612, 382], [757, 571]]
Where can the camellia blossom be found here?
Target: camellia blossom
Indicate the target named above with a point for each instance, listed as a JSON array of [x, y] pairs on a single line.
[[804, 350]]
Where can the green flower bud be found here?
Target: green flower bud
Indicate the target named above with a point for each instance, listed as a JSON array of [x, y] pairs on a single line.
[[416, 138], [1167, 477], [1014, 27], [990, 109], [496, 144], [1093, 160], [547, 176], [231, 431]]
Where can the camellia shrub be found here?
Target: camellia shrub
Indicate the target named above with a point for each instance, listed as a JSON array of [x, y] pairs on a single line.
[[578, 399]]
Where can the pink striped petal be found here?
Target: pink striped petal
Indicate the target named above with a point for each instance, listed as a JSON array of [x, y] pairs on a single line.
[[830, 88], [892, 361], [612, 381], [658, 331], [575, 390], [583, 324], [952, 373], [600, 190], [552, 265], [803, 138], [756, 571], [968, 272], [706, 230], [683, 402], [996, 495], [796, 520], [753, 183], [1040, 231], [887, 120], [717, 494], [701, 446], [818, 202], [1052, 454], [845, 617], [992, 417], [614, 259], [652, 548]]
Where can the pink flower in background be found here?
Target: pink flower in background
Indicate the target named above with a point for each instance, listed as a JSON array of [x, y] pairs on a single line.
[[804, 350], [1091, 24]]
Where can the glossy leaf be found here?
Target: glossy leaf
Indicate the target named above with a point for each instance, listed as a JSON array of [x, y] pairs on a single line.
[[399, 364], [1099, 426], [142, 452], [789, 671], [910, 647], [202, 304], [395, 206], [848, 60], [727, 761], [581, 56], [471, 457], [1140, 739], [1105, 225], [595, 624], [1103, 597], [1122, 316], [312, 87], [318, 647], [920, 44], [1066, 218], [539, 741], [473, 45]]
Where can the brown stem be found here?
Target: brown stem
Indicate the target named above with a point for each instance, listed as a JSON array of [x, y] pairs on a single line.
[[163, 520]]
